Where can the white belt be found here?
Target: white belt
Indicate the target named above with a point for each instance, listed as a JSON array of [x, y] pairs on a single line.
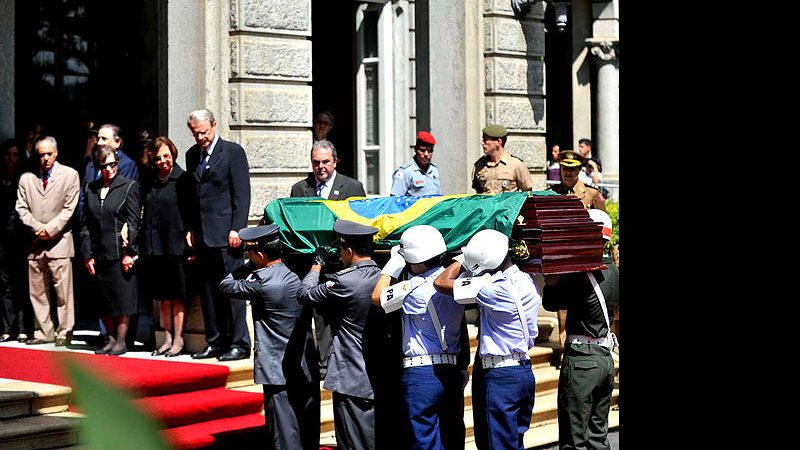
[[581, 339], [427, 360], [514, 359]]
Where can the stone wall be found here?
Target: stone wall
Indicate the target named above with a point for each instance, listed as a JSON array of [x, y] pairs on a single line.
[[270, 93], [514, 80], [7, 70]]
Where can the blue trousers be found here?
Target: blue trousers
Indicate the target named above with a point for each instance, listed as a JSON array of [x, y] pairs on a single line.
[[435, 401], [503, 405]]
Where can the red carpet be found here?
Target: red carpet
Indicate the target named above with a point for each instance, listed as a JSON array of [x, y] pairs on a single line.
[[190, 399]]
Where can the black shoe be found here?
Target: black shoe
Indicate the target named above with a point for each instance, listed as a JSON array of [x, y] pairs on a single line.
[[208, 352], [37, 341], [6, 338], [121, 351], [234, 353]]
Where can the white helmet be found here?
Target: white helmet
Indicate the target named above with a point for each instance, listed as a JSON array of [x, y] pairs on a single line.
[[598, 215], [421, 243], [486, 250]]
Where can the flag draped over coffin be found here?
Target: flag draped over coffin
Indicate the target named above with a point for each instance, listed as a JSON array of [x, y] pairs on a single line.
[[307, 222]]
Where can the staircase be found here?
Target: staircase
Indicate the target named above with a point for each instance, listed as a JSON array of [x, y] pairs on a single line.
[[228, 415]]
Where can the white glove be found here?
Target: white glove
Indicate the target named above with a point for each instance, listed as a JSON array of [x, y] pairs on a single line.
[[395, 265], [459, 258]]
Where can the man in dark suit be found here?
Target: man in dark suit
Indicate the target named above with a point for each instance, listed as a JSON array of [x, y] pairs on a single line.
[[221, 178], [324, 181]]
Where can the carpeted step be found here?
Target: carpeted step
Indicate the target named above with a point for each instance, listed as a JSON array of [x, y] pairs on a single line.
[[216, 432], [199, 406], [144, 377]]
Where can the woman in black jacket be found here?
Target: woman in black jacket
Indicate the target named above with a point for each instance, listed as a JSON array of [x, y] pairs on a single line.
[[164, 196], [109, 232]]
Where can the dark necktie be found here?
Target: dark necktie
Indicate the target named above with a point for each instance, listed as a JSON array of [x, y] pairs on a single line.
[[44, 180], [202, 166]]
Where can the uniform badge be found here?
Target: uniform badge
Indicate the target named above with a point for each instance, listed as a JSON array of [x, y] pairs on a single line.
[[398, 175], [505, 184], [419, 182], [329, 284], [335, 192]]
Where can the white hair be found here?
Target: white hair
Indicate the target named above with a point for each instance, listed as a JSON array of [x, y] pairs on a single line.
[[200, 115]]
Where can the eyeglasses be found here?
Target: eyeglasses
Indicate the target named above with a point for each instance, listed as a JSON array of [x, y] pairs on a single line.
[[109, 166]]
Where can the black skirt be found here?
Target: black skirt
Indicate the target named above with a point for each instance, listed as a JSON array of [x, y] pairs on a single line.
[[163, 277], [118, 292]]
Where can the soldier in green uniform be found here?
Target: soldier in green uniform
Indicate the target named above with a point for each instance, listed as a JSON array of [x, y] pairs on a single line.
[[571, 163], [586, 381], [497, 170]]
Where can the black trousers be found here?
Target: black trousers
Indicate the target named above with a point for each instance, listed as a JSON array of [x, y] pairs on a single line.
[[225, 319]]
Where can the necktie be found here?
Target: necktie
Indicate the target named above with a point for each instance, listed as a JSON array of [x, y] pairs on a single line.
[[320, 187], [202, 166], [44, 180]]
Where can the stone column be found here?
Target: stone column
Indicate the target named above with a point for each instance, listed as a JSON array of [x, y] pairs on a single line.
[[270, 93], [514, 83], [606, 57]]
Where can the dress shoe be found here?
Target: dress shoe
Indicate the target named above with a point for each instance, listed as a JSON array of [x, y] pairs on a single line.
[[234, 353], [176, 349], [120, 351], [37, 341], [208, 352], [62, 342], [5, 338]]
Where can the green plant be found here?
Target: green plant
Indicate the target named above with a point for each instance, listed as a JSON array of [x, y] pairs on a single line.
[[612, 208]]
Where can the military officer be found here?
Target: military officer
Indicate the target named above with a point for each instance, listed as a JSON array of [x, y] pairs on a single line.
[[419, 175], [434, 332], [503, 385], [571, 163], [497, 170], [586, 382], [359, 334], [285, 361]]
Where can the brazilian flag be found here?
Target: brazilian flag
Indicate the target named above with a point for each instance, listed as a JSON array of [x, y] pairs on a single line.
[[307, 222]]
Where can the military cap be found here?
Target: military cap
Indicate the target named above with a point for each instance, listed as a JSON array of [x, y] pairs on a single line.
[[353, 232], [495, 131], [424, 137], [260, 235], [571, 158]]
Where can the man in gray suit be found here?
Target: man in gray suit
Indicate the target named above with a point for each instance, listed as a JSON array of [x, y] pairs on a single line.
[[360, 340], [46, 202], [324, 181]]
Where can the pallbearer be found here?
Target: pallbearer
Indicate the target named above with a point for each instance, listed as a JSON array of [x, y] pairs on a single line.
[[285, 360], [503, 387]]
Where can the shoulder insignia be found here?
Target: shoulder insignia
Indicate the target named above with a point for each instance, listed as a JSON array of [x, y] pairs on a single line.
[[592, 186], [517, 157], [346, 270], [406, 164], [399, 174]]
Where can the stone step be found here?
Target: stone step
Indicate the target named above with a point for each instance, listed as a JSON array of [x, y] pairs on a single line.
[[23, 398], [39, 432], [546, 433]]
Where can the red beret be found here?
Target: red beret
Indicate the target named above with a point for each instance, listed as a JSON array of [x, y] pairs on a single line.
[[425, 137]]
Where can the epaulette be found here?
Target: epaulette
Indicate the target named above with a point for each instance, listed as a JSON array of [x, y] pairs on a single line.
[[596, 188], [346, 270], [515, 156], [405, 165]]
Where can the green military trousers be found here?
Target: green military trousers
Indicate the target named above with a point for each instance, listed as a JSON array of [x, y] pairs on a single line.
[[584, 397]]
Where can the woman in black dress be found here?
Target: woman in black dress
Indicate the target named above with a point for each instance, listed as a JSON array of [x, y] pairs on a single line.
[[16, 311], [112, 202], [162, 242]]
